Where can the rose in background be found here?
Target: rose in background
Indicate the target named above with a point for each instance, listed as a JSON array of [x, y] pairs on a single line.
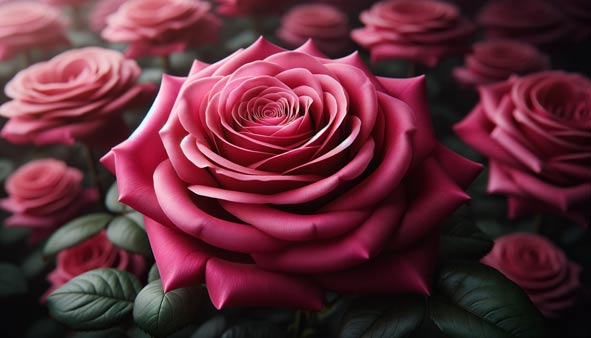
[[423, 31], [43, 195], [352, 7], [275, 175], [79, 95], [161, 27], [536, 132], [94, 253], [250, 7], [578, 17], [496, 60], [325, 24], [533, 21], [26, 25], [542, 269], [97, 19]]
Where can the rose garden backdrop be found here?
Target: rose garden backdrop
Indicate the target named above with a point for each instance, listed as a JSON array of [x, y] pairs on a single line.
[[256, 168]]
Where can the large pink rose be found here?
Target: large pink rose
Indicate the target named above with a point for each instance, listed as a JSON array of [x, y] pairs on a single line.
[[249, 7], [160, 27], [27, 24], [325, 24], [533, 21], [540, 268], [44, 194], [94, 253], [496, 60], [536, 132], [275, 175], [79, 95], [423, 31]]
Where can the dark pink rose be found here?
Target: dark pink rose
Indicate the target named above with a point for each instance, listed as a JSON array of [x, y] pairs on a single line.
[[324, 24], [536, 132], [250, 7], [45, 194], [422, 31], [496, 60], [78, 95], [533, 21], [99, 13], [94, 253], [26, 24], [161, 27], [275, 175], [540, 268]]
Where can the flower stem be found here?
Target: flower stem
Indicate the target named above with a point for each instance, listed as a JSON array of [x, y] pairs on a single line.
[[93, 171]]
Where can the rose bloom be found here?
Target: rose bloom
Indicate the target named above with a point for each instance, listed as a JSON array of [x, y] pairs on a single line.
[[94, 253], [26, 24], [161, 27], [536, 132], [423, 31], [275, 175], [352, 7], [540, 268], [496, 60], [533, 21], [325, 24], [78, 95], [250, 7], [99, 13], [44, 194]]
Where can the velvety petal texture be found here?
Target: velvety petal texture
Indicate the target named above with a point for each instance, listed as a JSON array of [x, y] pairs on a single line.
[[161, 27], [542, 269], [283, 174], [94, 253], [496, 60], [26, 24], [326, 25], [78, 95], [44, 194], [533, 21], [249, 7], [536, 132], [423, 31]]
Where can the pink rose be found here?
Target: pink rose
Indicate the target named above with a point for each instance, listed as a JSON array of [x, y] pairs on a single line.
[[101, 11], [27, 24], [275, 175], [94, 253], [536, 132], [325, 24], [540, 268], [43, 195], [533, 21], [423, 31], [495, 60], [160, 27], [78, 95], [249, 7], [352, 7]]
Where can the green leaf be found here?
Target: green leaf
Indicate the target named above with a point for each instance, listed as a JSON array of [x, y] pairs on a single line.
[[13, 235], [212, 328], [254, 330], [12, 280], [153, 274], [137, 218], [461, 239], [474, 300], [389, 317], [126, 234], [160, 314], [114, 332], [112, 200], [35, 263], [96, 300], [76, 231]]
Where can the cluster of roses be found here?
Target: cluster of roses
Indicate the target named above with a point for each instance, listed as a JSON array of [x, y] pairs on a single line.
[[294, 173]]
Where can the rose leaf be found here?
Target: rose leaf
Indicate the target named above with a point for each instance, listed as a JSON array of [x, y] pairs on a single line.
[[474, 300], [112, 200], [213, 328], [12, 280], [461, 239], [153, 274], [127, 234], [254, 330], [162, 313], [390, 317], [76, 231], [95, 300]]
